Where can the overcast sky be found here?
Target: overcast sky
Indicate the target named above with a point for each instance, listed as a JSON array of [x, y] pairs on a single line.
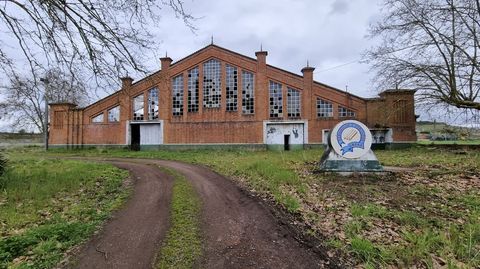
[[330, 34]]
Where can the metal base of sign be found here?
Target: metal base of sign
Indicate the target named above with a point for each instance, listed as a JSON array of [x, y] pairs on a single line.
[[332, 162]]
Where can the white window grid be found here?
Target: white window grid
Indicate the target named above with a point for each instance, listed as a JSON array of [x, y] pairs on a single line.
[[138, 107], [177, 95], [98, 118], [276, 99], [248, 97], [345, 112], [193, 90], [324, 109], [231, 88], [293, 103], [153, 104], [212, 90], [114, 114]]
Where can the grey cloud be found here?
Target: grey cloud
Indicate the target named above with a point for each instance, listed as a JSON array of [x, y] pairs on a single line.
[[339, 7]]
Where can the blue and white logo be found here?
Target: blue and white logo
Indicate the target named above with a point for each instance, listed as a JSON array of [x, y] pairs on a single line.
[[355, 132], [351, 139]]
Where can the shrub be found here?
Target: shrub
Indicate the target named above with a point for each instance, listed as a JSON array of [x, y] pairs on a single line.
[[3, 163]]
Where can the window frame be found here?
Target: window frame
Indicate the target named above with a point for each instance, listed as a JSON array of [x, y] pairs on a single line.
[[291, 101], [108, 114], [102, 114], [329, 108]]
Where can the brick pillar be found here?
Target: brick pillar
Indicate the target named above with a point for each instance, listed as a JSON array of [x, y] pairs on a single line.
[[308, 103], [261, 87], [125, 102], [165, 90]]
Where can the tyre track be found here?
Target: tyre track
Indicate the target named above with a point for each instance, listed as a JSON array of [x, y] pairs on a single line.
[[238, 231], [133, 236]]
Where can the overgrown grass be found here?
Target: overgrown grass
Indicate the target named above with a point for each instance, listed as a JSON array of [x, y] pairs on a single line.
[[182, 247], [450, 142], [48, 206], [427, 217]]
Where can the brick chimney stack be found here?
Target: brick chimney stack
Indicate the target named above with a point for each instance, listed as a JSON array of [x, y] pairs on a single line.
[[261, 58], [308, 103], [261, 90], [166, 62], [126, 82]]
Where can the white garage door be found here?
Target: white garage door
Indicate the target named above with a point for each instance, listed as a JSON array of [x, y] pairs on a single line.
[[151, 134]]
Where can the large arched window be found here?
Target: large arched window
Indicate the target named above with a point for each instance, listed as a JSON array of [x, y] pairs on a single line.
[[231, 87], [248, 96], [193, 90], [276, 99], [138, 107], [293, 103], [177, 95], [153, 104], [212, 88]]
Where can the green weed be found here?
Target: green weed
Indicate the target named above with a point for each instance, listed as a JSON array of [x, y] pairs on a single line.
[[51, 205], [370, 254], [183, 245]]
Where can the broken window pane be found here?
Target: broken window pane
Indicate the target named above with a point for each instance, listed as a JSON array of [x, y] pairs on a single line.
[[138, 107], [345, 112], [293, 103], [177, 95], [247, 93], [114, 114], [98, 118], [193, 90], [231, 87], [276, 105], [212, 90], [153, 104], [324, 109]]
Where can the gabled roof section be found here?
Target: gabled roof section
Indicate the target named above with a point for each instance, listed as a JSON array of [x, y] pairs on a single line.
[[315, 82], [213, 46]]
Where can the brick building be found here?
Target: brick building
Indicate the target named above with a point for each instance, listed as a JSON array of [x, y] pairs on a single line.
[[217, 96]]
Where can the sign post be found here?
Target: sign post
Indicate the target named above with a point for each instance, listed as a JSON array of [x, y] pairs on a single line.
[[349, 149]]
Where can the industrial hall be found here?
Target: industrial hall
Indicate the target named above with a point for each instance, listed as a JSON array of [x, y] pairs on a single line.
[[216, 97]]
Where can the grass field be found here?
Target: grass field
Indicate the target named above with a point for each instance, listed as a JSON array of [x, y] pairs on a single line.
[[49, 206], [183, 244], [450, 142], [427, 217]]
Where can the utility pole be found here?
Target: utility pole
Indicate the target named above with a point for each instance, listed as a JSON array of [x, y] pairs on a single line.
[[45, 121]]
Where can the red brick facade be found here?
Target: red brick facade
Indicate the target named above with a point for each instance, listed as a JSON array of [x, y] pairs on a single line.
[[73, 126]]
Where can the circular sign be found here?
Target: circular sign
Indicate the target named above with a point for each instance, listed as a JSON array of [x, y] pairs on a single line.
[[351, 139]]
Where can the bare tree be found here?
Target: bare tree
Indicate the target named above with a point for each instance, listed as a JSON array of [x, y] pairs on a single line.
[[432, 46], [24, 98], [102, 39]]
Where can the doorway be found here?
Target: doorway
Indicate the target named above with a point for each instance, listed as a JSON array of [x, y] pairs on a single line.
[[135, 139], [286, 142]]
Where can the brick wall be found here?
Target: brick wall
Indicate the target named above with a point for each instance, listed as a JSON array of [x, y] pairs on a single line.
[[216, 125]]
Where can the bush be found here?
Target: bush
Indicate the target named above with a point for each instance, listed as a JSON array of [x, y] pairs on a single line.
[[3, 163]]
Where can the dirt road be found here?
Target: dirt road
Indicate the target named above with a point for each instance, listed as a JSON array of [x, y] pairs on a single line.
[[238, 231], [131, 238]]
